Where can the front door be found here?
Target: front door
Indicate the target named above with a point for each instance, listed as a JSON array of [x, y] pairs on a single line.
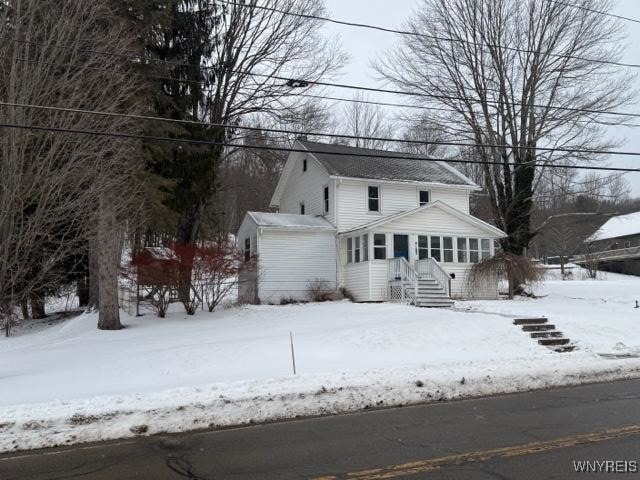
[[401, 246]]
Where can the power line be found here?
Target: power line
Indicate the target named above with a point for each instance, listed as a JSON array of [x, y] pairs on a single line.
[[593, 10], [397, 156], [317, 134], [436, 37], [494, 103]]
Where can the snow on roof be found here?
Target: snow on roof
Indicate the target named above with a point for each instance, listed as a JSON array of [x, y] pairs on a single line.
[[619, 226], [286, 220]]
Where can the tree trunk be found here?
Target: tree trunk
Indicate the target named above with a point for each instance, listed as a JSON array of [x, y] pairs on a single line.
[[108, 263], [24, 306], [37, 306], [94, 275]]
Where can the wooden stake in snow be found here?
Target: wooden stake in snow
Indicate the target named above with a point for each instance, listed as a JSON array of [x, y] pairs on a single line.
[[293, 353]]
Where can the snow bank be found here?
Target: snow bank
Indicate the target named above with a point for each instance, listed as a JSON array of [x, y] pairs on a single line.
[[70, 383]]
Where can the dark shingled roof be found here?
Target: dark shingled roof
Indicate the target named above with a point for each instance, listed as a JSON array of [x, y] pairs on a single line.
[[365, 164]]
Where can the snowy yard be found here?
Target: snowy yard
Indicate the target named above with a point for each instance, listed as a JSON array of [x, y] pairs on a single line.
[[70, 383]]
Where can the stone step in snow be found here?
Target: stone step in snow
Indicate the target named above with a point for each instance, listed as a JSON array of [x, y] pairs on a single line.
[[538, 328], [530, 321], [564, 348], [548, 334], [552, 342]]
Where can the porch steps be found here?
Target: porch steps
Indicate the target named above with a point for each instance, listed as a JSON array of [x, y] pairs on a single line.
[[545, 333], [431, 294]]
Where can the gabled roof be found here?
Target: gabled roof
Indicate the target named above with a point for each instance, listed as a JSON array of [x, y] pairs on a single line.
[[620, 226], [355, 162], [437, 204], [288, 220]]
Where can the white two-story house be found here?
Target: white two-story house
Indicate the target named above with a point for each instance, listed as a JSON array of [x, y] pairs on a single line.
[[386, 229]]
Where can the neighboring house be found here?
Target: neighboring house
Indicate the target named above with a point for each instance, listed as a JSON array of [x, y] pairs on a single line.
[[615, 246], [383, 228]]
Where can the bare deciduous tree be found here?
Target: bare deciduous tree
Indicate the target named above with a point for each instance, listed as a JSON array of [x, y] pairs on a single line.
[[499, 70], [366, 120], [53, 182]]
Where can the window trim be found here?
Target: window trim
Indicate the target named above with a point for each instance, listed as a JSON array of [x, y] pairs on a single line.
[[420, 190], [382, 247], [368, 198], [326, 194]]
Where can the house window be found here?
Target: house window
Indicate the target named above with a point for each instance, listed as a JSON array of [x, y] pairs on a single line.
[[485, 247], [462, 250], [447, 249], [302, 208], [304, 165], [474, 254], [247, 249], [627, 244], [423, 247], [325, 197], [435, 248], [365, 248], [379, 246], [349, 250], [356, 250], [424, 197], [374, 198]]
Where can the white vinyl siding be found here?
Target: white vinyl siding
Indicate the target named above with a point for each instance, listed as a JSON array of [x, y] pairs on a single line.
[[353, 204], [307, 188], [289, 260]]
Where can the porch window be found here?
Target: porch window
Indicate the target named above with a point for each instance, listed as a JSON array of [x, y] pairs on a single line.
[[349, 250], [462, 250], [485, 247], [474, 253], [325, 197], [424, 197], [365, 248], [302, 208], [447, 249], [423, 247], [379, 246], [247, 249], [373, 198], [435, 248], [356, 250]]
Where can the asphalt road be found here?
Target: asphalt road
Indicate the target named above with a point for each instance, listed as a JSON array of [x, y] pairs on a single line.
[[536, 435]]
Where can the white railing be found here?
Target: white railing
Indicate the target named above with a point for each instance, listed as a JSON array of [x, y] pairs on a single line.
[[403, 281], [431, 268], [607, 255]]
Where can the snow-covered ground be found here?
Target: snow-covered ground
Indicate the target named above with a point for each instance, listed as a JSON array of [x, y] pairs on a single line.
[[69, 383]]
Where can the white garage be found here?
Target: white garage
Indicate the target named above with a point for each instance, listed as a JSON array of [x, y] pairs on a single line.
[[291, 251]]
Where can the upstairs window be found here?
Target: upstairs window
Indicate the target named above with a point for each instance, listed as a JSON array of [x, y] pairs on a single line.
[[424, 197], [325, 198], [302, 208], [373, 198], [379, 246], [304, 165], [247, 249]]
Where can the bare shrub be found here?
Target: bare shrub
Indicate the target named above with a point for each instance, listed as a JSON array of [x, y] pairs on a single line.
[[516, 269], [319, 290]]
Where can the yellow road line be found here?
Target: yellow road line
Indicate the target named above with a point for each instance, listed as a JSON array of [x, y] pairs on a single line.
[[422, 466]]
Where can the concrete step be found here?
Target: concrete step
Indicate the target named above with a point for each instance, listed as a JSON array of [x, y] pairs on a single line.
[[548, 342], [432, 304], [538, 328], [550, 334], [530, 321], [433, 293]]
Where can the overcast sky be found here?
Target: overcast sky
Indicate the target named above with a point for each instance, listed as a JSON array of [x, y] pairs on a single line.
[[364, 45]]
